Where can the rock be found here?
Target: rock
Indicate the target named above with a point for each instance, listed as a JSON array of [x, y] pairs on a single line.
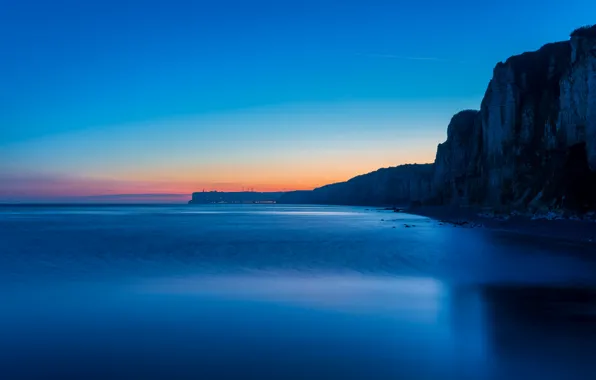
[[531, 145], [457, 160], [533, 142], [550, 215]]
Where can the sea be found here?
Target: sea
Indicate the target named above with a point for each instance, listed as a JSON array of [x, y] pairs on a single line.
[[286, 292]]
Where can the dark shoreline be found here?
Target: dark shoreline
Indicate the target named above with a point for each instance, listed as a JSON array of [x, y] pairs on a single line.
[[567, 229]]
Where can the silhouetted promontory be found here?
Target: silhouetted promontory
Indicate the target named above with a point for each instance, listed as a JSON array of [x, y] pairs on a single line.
[[531, 146], [388, 186], [206, 197]]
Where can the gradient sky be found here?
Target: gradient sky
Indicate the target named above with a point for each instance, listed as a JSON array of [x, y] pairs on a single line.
[[169, 97]]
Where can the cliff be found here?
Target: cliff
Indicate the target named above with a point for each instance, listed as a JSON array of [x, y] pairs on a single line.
[[456, 174], [532, 145], [389, 186]]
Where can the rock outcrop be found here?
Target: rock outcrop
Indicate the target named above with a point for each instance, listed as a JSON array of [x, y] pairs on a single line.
[[456, 165], [533, 142], [519, 114], [577, 116]]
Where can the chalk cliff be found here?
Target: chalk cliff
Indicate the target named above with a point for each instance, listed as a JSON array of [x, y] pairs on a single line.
[[531, 145], [456, 174], [533, 142]]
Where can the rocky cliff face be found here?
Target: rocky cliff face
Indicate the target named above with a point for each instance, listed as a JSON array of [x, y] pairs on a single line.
[[577, 117], [519, 114], [457, 162], [533, 142]]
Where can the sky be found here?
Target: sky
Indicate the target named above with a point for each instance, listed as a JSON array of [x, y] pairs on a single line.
[[163, 98]]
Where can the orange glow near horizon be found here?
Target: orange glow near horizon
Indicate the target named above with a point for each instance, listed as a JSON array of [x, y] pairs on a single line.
[[179, 185], [305, 176], [284, 174], [278, 149], [304, 171]]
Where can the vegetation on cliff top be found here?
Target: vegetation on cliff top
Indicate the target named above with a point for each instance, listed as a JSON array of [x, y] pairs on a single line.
[[585, 31]]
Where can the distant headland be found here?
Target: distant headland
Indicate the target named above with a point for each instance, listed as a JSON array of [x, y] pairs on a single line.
[[237, 197]]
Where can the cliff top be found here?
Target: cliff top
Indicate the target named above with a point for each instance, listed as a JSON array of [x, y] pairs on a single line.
[[401, 170], [461, 123], [588, 31], [540, 58]]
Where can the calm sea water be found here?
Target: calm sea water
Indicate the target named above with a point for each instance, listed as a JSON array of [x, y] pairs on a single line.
[[276, 292]]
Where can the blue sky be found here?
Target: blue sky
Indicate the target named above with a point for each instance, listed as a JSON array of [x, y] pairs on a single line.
[[168, 96]]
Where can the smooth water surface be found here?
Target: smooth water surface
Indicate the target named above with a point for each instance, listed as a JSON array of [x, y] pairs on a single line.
[[278, 292]]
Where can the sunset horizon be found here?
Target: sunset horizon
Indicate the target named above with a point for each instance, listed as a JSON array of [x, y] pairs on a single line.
[[105, 99]]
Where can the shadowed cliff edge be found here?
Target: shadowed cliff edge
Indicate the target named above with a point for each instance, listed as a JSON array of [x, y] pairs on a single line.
[[531, 147]]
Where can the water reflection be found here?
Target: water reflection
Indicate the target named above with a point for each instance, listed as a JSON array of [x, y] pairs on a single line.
[[310, 292], [545, 330], [433, 330], [291, 326], [466, 331], [354, 293]]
